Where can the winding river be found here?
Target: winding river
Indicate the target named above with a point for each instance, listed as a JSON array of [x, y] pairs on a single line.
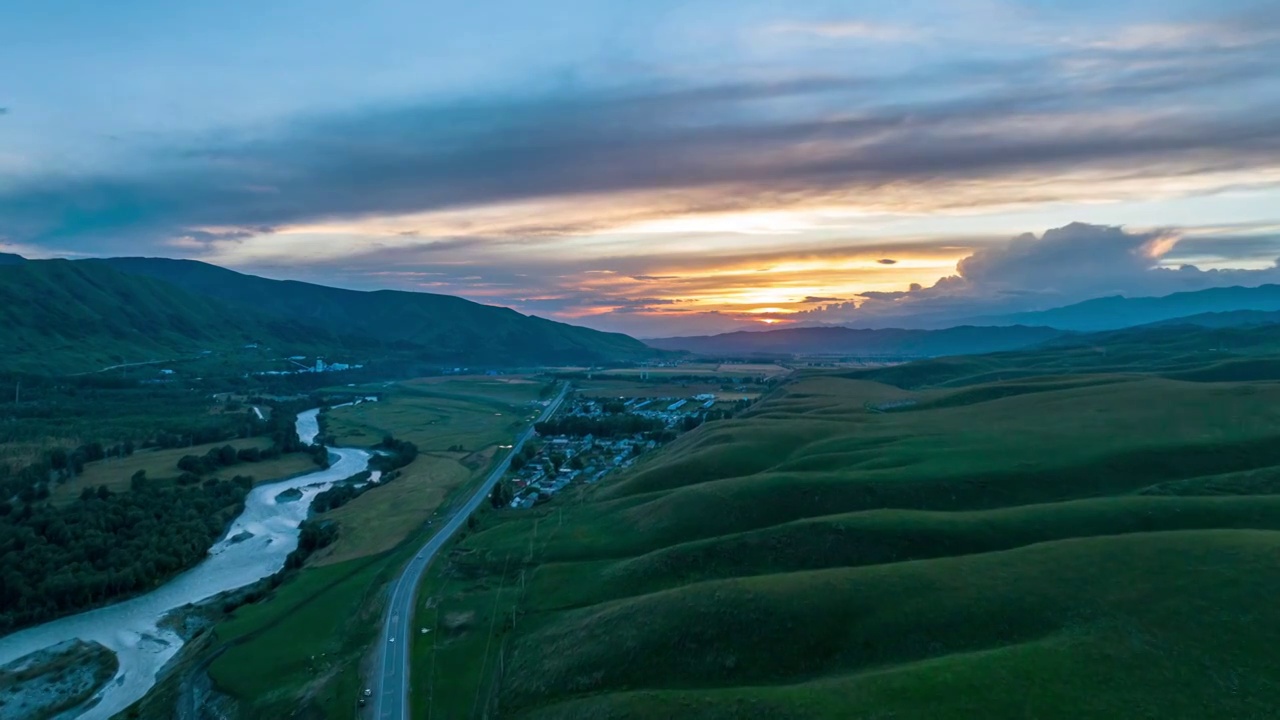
[[131, 628]]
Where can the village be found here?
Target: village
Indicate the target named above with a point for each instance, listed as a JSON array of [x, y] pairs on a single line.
[[594, 436]]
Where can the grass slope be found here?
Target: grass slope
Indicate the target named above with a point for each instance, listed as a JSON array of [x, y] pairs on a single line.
[[1070, 545], [849, 341], [434, 326], [1207, 354], [58, 316], [61, 317], [299, 652]]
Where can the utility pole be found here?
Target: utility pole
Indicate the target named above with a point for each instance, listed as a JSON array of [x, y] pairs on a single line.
[[17, 393]]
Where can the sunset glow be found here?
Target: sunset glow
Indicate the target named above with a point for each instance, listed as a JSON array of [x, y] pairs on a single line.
[[833, 165]]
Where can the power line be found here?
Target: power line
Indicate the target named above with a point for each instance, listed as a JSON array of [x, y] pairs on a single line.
[[484, 662]]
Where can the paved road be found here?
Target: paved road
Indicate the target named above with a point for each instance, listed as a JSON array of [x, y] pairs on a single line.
[[391, 690]]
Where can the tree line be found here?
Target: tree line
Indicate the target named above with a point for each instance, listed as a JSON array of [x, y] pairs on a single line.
[[341, 493], [195, 466], [393, 454]]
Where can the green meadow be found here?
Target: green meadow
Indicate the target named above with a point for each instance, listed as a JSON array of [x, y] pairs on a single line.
[[301, 651], [1083, 531]]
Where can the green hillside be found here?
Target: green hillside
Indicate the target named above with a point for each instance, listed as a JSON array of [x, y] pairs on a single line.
[[1095, 544], [58, 316], [438, 327], [1175, 351], [61, 317], [893, 342]]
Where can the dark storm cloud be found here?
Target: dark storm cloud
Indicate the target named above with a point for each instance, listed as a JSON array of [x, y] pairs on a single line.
[[887, 261], [745, 138]]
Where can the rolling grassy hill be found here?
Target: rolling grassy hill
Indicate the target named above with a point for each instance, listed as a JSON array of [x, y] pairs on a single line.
[[1173, 350], [431, 327], [58, 316], [1095, 544]]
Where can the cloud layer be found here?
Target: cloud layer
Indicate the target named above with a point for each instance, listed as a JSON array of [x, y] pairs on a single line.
[[1112, 111], [1062, 266], [835, 170]]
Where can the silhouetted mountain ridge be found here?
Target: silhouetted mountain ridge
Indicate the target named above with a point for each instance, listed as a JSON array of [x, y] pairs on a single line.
[[963, 340], [1115, 312], [434, 327], [61, 316]]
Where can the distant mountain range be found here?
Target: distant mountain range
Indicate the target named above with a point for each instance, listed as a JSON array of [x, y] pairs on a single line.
[[59, 316], [1113, 313], [890, 342], [1212, 308], [1232, 318]]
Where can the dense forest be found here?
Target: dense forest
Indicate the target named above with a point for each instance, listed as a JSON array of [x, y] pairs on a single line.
[[313, 535], [106, 545], [58, 559]]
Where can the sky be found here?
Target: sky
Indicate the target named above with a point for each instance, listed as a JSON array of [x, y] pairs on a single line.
[[658, 168]]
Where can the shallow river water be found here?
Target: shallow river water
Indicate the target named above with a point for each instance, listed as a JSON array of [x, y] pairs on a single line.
[[131, 628]]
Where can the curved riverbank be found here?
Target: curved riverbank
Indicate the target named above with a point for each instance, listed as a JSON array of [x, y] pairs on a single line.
[[254, 547]]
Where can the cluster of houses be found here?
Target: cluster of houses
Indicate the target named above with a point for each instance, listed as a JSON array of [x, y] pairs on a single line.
[[563, 459], [671, 411], [586, 459], [304, 366]]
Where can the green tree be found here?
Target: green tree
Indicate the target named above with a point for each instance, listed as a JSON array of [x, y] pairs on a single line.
[[58, 459], [227, 456], [502, 495]]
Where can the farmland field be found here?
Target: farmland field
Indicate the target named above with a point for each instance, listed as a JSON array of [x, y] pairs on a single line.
[[115, 473], [727, 370], [303, 646], [624, 387]]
